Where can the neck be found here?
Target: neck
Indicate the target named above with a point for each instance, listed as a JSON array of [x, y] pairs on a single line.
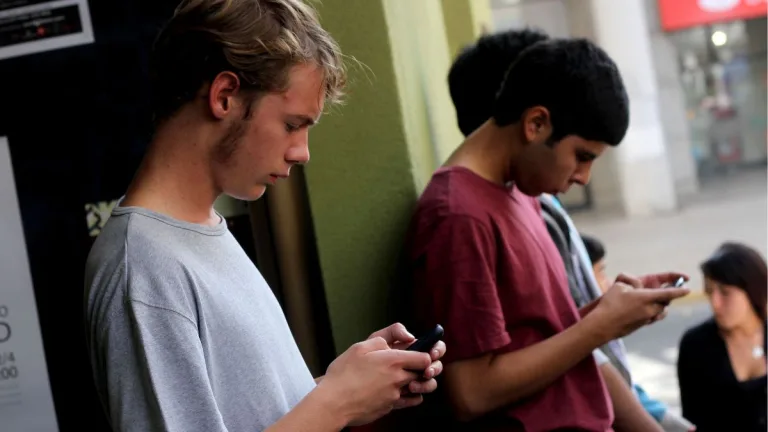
[[175, 177], [489, 152], [750, 328]]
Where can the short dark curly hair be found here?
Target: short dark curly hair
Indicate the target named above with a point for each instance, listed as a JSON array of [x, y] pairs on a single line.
[[576, 81], [478, 71], [573, 78], [594, 247]]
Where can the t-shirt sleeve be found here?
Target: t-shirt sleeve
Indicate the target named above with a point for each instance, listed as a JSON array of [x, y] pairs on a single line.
[[156, 372], [460, 268]]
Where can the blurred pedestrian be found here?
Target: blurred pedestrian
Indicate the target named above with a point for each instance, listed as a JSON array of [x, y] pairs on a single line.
[[721, 366]]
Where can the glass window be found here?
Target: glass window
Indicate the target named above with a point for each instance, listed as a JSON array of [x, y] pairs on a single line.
[[723, 72]]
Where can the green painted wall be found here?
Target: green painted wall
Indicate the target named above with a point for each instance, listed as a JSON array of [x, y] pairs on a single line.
[[421, 65], [372, 157], [465, 21], [405, 48], [360, 181]]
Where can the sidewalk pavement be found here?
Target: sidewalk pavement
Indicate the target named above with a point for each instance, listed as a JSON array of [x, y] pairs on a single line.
[[732, 209]]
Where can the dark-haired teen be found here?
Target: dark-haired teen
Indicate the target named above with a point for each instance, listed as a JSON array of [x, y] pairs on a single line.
[[484, 265]]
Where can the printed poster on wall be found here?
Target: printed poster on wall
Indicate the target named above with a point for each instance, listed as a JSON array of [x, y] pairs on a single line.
[[26, 404], [34, 26]]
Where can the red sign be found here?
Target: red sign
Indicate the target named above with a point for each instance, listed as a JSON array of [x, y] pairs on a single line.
[[679, 14]]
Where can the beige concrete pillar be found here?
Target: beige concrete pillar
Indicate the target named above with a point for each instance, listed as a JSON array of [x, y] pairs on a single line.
[[677, 132], [372, 157], [465, 21], [636, 177]]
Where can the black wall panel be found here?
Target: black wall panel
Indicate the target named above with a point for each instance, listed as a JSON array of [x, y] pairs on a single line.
[[77, 120]]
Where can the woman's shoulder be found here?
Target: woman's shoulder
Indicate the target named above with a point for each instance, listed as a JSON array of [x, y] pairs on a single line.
[[704, 332]]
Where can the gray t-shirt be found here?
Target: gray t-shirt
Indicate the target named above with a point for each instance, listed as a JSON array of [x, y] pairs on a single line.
[[184, 333]]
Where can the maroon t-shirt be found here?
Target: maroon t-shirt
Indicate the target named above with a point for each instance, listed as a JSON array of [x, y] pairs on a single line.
[[485, 268]]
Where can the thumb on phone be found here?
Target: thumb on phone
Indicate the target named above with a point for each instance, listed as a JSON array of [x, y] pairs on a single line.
[[665, 295], [395, 335]]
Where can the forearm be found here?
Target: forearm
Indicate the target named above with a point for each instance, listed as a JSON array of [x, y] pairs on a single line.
[[479, 386], [315, 413], [630, 416], [586, 309]]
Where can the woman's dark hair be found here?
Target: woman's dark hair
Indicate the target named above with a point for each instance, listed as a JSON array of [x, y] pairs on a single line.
[[740, 266], [594, 247]]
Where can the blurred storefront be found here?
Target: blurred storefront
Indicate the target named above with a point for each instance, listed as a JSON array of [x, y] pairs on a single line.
[[721, 47]]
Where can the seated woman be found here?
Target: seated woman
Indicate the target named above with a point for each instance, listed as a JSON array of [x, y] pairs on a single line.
[[722, 366]]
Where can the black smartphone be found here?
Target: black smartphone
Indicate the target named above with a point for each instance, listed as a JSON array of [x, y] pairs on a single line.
[[678, 284], [427, 341]]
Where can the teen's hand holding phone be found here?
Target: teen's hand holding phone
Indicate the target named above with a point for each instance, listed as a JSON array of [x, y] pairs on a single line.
[[658, 280], [632, 302], [369, 379], [431, 343]]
